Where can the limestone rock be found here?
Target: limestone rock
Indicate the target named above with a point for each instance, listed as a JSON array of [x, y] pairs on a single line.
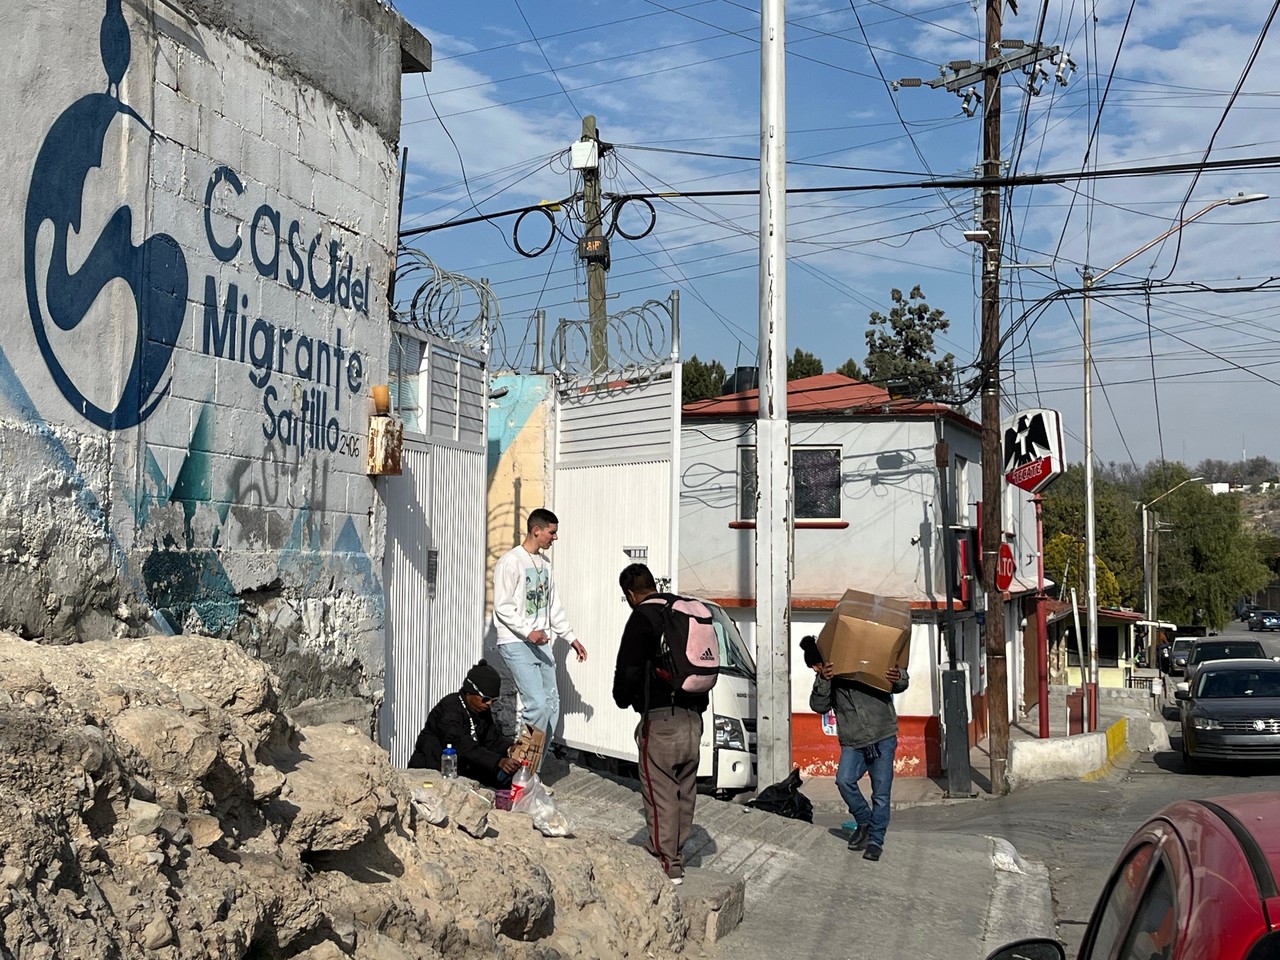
[[141, 775]]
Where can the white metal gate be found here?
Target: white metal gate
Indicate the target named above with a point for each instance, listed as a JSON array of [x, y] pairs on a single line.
[[434, 561], [616, 490]]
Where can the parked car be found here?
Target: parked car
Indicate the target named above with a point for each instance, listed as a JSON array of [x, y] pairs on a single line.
[[1193, 883], [1208, 650], [1232, 712], [1178, 651], [1264, 620]]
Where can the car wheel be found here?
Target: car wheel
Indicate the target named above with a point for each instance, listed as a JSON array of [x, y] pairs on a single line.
[[1189, 763]]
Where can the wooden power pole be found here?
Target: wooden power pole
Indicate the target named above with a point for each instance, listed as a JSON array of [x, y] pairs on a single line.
[[992, 461], [596, 253]]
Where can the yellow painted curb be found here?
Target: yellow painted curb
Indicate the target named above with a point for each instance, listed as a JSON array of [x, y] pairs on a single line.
[[1117, 738], [1117, 749]]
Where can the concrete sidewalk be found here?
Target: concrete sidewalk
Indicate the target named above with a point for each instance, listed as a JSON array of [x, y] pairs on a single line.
[[934, 895]]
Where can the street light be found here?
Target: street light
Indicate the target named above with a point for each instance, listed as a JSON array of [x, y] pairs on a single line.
[[1090, 520], [1148, 593]]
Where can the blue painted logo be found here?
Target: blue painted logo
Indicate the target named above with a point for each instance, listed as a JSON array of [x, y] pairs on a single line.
[[155, 271]]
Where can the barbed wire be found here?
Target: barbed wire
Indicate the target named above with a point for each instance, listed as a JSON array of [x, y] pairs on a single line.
[[451, 306], [638, 343]]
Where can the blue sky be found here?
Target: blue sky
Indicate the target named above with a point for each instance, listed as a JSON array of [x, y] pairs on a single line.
[[1181, 375]]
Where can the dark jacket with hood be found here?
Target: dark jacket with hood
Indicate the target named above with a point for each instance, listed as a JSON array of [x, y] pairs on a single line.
[[864, 715], [452, 721], [635, 684]]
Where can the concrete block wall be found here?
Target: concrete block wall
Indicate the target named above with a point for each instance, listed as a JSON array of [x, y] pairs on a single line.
[[200, 219]]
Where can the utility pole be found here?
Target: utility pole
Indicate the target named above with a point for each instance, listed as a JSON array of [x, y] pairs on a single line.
[[773, 438], [593, 248], [960, 77], [992, 461]]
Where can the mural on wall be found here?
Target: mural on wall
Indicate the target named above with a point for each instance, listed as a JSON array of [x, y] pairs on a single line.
[[155, 270], [219, 460]]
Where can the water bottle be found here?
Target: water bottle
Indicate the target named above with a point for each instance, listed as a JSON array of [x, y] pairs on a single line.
[[520, 782], [449, 762]]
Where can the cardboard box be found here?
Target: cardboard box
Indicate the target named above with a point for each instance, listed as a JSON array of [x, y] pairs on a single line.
[[865, 636], [530, 746]]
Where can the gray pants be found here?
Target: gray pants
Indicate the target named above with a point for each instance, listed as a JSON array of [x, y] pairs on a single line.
[[668, 740]]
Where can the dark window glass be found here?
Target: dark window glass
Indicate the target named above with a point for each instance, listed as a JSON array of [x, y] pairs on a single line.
[[1124, 890], [815, 482], [1155, 925]]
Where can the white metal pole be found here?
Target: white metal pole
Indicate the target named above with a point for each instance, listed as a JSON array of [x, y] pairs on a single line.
[[773, 444], [1146, 577], [1090, 518]]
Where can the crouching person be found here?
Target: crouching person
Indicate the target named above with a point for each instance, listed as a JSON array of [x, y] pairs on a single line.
[[867, 727], [465, 720]]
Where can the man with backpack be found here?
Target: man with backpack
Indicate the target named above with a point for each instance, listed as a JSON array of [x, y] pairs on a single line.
[[668, 659]]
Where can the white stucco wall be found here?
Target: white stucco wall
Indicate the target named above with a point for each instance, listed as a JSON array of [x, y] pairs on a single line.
[[199, 240], [890, 498]]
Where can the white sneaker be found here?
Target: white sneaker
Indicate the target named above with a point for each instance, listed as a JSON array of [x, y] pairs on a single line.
[[676, 881]]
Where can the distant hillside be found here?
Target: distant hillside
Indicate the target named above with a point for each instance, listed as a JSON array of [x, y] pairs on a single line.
[[1262, 511]]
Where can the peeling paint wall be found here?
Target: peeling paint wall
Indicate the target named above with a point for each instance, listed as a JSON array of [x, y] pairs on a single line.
[[198, 235]]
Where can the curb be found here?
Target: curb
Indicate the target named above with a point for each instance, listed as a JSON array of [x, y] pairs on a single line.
[[1118, 753]]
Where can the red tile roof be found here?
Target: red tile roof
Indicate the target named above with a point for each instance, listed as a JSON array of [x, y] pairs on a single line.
[[827, 393]]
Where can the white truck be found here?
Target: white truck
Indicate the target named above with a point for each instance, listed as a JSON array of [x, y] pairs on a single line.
[[604, 736]]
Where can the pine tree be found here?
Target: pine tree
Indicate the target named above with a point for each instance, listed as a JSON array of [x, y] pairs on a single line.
[[702, 381], [851, 370], [803, 364], [900, 347]]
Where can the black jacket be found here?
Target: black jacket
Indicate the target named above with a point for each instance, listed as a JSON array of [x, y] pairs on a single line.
[[636, 654], [478, 755], [864, 715]]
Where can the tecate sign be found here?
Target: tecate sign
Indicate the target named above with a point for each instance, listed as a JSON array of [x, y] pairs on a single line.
[[1033, 452]]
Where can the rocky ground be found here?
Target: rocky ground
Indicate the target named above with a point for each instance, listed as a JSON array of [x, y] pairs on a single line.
[[154, 802]]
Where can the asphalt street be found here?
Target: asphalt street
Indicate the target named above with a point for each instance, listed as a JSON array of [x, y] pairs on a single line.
[[1077, 829]]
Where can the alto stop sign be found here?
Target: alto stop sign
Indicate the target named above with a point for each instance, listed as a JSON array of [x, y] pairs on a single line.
[[1005, 566]]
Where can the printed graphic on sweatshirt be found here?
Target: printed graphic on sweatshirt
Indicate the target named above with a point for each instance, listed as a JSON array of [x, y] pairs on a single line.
[[537, 591]]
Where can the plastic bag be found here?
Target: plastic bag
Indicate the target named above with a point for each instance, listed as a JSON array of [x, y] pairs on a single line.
[[785, 799], [553, 824], [429, 805], [534, 799]]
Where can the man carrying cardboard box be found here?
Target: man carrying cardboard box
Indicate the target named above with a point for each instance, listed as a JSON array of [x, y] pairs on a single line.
[[867, 727]]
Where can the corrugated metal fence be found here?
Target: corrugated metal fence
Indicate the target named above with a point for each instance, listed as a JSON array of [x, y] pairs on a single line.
[[434, 562]]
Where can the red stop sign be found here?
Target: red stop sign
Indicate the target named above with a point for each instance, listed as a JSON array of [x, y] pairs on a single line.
[[1005, 566]]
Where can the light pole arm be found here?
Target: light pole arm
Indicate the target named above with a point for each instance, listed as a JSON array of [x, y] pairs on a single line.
[[1164, 236]]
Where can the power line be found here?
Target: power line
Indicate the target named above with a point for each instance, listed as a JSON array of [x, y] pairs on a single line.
[[538, 44]]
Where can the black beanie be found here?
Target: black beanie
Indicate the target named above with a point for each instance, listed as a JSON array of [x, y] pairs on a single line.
[[484, 680], [812, 657]]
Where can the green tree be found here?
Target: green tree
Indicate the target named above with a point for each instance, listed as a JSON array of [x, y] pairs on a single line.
[[803, 364], [1064, 557], [900, 347], [1116, 522], [1208, 558], [702, 381], [851, 370]]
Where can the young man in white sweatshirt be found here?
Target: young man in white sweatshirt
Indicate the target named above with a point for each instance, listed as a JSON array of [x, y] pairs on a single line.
[[527, 616]]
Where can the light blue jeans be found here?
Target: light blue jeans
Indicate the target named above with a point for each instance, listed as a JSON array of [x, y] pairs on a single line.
[[534, 671], [854, 762]]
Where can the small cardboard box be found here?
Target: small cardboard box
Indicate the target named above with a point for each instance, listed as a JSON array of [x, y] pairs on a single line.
[[865, 636], [530, 747]]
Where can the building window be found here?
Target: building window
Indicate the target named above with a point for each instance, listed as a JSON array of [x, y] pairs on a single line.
[[961, 511], [815, 483]]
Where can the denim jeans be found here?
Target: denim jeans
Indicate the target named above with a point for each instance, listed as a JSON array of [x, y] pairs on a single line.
[[853, 764], [534, 671]]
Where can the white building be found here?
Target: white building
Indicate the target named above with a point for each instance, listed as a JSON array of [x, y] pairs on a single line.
[[868, 515]]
